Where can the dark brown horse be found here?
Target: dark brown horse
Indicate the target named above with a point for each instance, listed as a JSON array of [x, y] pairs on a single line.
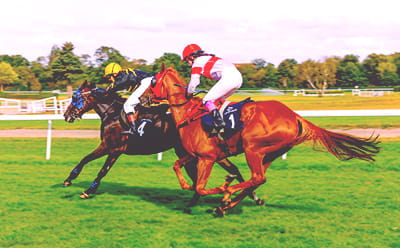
[[270, 129], [160, 136]]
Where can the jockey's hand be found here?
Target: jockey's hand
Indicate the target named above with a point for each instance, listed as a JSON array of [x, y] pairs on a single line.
[[98, 92]]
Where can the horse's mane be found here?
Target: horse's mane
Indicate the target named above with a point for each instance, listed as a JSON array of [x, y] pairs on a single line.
[[111, 96], [117, 97]]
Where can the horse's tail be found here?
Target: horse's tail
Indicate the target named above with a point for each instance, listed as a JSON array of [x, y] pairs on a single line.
[[342, 146]]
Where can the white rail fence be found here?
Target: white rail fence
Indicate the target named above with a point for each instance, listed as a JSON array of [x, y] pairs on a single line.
[[304, 113], [50, 104], [340, 92]]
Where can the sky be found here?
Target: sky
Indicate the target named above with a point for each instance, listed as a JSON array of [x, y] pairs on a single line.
[[239, 31]]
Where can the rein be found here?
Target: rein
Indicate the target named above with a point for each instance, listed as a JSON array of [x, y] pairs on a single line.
[[195, 110], [193, 113], [106, 114]]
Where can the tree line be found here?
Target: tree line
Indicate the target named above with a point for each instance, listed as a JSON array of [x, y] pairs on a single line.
[[64, 70]]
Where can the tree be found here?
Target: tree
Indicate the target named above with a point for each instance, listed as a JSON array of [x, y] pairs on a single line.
[[173, 59], [105, 55], [387, 74], [350, 73], [259, 63], [15, 60], [249, 72], [271, 76], [395, 58], [42, 73], [7, 75], [318, 75], [67, 68], [27, 79], [371, 64], [287, 72]]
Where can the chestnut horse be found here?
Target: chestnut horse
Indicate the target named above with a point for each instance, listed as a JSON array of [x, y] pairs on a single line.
[[270, 129], [161, 136]]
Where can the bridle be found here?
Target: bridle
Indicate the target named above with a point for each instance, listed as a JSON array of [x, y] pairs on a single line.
[[79, 100], [160, 92]]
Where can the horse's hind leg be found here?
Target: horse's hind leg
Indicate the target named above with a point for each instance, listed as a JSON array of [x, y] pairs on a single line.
[[99, 152], [220, 211], [235, 174], [103, 172]]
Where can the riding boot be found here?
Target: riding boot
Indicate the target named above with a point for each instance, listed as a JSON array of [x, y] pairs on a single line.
[[132, 125], [218, 121]]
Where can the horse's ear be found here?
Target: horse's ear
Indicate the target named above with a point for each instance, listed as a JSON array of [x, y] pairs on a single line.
[[87, 84], [172, 66], [84, 84], [163, 67]]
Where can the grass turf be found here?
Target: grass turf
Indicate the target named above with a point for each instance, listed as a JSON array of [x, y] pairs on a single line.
[[312, 200]]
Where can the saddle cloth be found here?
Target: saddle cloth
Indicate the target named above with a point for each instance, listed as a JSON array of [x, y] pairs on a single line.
[[231, 114]]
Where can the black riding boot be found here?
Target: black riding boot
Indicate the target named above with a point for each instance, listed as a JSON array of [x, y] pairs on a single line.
[[132, 126], [132, 129], [218, 121]]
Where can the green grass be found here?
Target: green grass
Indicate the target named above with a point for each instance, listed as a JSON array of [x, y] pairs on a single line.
[[56, 124], [346, 122], [312, 200], [391, 101]]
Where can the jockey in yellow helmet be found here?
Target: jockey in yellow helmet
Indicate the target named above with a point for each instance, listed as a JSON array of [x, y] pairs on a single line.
[[130, 79]]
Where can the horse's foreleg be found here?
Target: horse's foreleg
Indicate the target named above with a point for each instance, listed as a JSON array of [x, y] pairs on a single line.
[[99, 152], [204, 168], [177, 168], [191, 170], [103, 172]]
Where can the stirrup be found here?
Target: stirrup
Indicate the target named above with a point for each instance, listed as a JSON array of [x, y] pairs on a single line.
[[130, 131]]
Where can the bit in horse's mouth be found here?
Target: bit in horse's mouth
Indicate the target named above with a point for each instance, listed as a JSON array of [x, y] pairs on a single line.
[[69, 119]]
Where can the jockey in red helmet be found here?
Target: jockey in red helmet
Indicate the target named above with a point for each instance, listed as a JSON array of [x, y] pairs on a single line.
[[226, 74]]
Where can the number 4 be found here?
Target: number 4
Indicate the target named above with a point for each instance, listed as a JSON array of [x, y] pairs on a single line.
[[140, 129]]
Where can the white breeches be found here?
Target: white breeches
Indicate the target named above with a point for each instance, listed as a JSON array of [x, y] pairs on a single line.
[[231, 80], [133, 100]]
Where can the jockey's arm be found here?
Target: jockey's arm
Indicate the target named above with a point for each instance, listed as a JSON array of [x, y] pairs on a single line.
[[194, 80], [120, 83]]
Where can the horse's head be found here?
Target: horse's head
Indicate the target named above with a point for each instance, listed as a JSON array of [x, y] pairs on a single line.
[[168, 83], [82, 102]]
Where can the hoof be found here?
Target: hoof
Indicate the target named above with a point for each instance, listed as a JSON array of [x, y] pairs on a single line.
[[187, 211], [226, 202], [191, 204], [66, 184], [230, 178], [260, 202], [83, 195], [219, 212]]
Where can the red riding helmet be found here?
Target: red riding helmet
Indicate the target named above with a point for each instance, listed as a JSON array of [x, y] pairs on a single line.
[[190, 50]]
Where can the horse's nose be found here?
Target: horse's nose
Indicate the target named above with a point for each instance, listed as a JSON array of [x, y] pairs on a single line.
[[68, 118]]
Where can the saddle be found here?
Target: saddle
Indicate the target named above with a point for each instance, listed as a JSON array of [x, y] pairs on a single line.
[[146, 117], [230, 112]]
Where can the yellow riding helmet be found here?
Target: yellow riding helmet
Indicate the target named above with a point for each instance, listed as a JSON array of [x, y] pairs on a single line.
[[112, 68]]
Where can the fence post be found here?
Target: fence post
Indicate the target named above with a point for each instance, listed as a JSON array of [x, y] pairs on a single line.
[[48, 146]]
